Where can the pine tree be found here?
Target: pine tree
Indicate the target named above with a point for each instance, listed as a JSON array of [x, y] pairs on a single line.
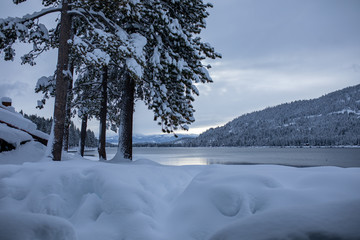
[[69, 104], [83, 134], [173, 55], [95, 40], [103, 113], [153, 46]]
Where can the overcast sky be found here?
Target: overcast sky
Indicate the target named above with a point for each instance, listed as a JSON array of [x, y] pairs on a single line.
[[274, 51]]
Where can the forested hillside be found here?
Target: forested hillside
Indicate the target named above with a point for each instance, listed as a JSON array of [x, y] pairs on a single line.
[[333, 119], [44, 125]]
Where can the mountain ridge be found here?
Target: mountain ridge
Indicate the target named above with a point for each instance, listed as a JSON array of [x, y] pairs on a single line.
[[152, 139], [330, 120]]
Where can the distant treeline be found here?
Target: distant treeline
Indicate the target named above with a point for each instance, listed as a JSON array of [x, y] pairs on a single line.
[[181, 142], [44, 125], [331, 120]]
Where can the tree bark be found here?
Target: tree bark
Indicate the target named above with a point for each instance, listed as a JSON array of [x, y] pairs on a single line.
[[126, 119], [68, 110], [103, 113], [83, 134], [61, 81]]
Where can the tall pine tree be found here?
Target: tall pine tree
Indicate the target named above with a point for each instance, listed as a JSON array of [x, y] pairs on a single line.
[[153, 45], [173, 65], [95, 41]]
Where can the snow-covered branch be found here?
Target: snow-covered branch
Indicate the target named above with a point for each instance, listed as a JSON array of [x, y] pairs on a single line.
[[94, 16], [35, 15]]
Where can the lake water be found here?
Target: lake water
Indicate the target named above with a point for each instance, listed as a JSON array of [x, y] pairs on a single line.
[[301, 157]]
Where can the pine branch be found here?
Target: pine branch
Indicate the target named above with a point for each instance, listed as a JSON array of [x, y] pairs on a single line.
[[33, 16]]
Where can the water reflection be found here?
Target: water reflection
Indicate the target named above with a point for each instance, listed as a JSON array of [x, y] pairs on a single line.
[[183, 161], [301, 157]]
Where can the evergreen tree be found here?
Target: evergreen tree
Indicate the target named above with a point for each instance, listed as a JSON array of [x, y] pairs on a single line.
[[95, 40], [173, 55], [154, 44], [83, 134], [103, 113], [327, 121], [44, 125]]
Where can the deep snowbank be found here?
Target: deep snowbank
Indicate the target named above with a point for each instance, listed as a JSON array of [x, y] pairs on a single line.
[[81, 199]]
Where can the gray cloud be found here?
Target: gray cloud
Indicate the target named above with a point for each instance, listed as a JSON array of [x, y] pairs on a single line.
[[253, 28], [15, 88], [273, 52]]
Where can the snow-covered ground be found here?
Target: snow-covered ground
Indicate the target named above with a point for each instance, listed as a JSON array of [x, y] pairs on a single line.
[[87, 200]]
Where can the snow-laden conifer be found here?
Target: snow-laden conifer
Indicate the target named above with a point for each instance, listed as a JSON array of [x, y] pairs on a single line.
[[153, 46], [173, 66], [174, 60], [88, 31]]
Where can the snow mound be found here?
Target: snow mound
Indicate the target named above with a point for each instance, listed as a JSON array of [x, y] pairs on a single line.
[[145, 161], [29, 152], [28, 226], [318, 222], [87, 200]]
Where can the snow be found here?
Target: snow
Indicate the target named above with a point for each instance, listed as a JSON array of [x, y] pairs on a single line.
[[122, 34], [13, 136], [82, 199], [98, 56], [40, 104], [40, 134], [34, 226], [42, 12], [17, 120], [346, 111], [137, 43], [67, 73], [6, 99], [134, 67], [206, 73], [44, 82], [78, 42], [163, 89], [155, 59]]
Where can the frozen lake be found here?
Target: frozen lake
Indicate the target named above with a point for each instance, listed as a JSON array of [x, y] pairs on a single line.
[[302, 157]]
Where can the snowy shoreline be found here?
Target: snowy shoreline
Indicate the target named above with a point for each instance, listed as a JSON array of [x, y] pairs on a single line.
[[176, 146], [87, 200], [300, 157]]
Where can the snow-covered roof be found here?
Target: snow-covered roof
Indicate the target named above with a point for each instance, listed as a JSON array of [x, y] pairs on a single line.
[[13, 136], [16, 120], [6, 99]]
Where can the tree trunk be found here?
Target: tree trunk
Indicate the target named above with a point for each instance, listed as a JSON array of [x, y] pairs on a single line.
[[126, 119], [83, 134], [61, 81], [103, 113], [68, 110]]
